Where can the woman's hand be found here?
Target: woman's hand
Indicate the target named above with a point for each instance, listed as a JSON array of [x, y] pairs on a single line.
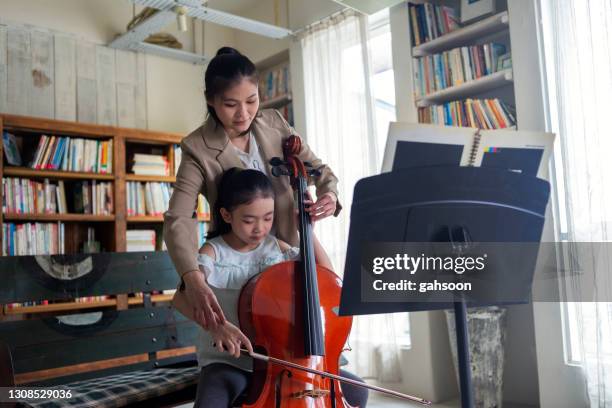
[[206, 309], [228, 337], [323, 207]]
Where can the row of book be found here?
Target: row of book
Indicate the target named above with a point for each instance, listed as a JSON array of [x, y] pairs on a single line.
[[73, 154], [139, 240], [429, 21], [92, 197], [457, 66], [33, 238], [275, 83], [147, 198], [81, 300], [14, 307], [150, 164], [24, 196], [478, 113]]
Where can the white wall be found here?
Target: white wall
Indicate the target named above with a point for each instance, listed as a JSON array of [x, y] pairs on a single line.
[[175, 100]]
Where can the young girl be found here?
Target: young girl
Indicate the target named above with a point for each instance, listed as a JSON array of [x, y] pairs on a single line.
[[240, 248]]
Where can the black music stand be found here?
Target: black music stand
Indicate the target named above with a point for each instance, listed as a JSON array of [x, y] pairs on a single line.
[[415, 205]]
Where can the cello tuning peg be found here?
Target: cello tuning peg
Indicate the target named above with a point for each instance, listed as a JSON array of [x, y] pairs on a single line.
[[277, 171], [277, 161], [315, 172]]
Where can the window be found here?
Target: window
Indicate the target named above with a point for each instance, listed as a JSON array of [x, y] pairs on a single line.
[[382, 82], [382, 88]]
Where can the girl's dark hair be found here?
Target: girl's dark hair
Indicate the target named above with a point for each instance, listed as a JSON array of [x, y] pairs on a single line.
[[237, 187], [227, 68]]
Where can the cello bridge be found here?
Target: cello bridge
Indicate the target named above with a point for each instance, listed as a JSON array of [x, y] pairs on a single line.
[[310, 393]]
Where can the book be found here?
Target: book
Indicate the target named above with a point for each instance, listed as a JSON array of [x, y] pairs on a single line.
[[11, 152], [416, 145]]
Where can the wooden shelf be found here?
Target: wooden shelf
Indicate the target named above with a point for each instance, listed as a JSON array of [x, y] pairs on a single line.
[[67, 306], [159, 218], [276, 102], [463, 36], [467, 89], [54, 174], [58, 217], [141, 177]]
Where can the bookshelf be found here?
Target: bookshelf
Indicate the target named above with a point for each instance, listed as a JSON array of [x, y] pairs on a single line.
[[468, 89], [275, 84], [517, 25], [109, 229], [445, 67]]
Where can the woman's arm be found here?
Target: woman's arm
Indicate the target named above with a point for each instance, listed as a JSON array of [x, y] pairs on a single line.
[[326, 184], [179, 224], [181, 240]]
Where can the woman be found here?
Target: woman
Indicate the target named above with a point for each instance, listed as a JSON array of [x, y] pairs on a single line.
[[235, 134]]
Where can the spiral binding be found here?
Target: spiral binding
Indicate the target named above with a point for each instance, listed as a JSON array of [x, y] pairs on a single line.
[[474, 150]]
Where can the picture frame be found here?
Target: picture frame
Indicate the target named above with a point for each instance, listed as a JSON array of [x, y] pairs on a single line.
[[472, 10]]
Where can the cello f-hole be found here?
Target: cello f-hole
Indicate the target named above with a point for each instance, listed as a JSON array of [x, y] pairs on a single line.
[[278, 386]]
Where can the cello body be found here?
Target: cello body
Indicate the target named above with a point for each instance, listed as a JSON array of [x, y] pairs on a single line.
[[289, 312], [271, 316]]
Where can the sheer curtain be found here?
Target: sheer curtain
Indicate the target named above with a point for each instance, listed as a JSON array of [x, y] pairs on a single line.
[[578, 47], [340, 129]]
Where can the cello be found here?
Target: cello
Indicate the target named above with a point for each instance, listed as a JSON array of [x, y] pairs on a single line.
[[289, 312]]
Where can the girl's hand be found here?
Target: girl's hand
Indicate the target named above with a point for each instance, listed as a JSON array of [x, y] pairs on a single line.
[[323, 207], [206, 309], [228, 337]]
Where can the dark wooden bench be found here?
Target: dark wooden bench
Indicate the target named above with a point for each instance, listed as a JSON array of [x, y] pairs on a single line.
[[108, 357]]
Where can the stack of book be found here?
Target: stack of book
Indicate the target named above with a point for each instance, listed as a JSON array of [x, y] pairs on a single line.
[[33, 239], [150, 164], [479, 113], [92, 197], [24, 196], [140, 240], [428, 21], [73, 154], [147, 198], [459, 65]]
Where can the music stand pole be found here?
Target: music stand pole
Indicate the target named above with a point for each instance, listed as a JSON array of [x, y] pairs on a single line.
[[463, 355]]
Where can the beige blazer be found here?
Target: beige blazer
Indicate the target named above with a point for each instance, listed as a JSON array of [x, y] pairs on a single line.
[[206, 154]]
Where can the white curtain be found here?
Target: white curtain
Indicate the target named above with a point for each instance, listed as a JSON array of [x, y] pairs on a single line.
[[578, 46], [340, 129]]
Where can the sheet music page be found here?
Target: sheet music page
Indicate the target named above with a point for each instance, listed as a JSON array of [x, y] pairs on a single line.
[[415, 145], [526, 152]]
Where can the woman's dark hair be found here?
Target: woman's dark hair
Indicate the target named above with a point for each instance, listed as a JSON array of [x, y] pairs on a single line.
[[227, 68], [237, 187]]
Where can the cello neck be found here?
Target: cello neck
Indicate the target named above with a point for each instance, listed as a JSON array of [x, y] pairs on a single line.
[[314, 342]]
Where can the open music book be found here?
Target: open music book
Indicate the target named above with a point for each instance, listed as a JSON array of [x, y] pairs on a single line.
[[416, 145]]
